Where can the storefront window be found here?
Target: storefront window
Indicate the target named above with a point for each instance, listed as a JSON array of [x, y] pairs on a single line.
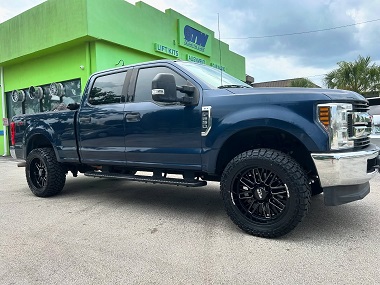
[[71, 92], [31, 105], [14, 108]]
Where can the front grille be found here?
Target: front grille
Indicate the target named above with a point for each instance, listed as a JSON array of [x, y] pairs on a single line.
[[350, 126], [361, 143], [360, 106], [357, 107]]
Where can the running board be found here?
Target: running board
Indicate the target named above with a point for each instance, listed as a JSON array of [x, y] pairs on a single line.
[[149, 179]]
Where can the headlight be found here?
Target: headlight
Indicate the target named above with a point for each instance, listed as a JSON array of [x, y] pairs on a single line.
[[334, 118]]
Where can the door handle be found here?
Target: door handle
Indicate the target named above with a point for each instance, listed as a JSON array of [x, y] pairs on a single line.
[[133, 117], [85, 119]]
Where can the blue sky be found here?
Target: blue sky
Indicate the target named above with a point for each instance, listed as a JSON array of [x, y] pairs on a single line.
[[250, 28]]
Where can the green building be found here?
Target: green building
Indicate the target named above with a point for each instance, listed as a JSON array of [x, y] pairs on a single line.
[[48, 52]]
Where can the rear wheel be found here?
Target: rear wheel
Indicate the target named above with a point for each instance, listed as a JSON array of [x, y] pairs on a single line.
[[265, 192], [44, 174]]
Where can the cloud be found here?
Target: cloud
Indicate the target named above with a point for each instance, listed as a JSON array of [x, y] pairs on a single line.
[[283, 68], [5, 14], [305, 53], [9, 9], [272, 58]]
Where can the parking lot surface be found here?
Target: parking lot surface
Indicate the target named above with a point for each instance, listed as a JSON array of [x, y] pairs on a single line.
[[100, 231]]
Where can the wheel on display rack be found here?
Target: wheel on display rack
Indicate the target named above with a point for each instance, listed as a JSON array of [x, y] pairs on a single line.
[[35, 92]]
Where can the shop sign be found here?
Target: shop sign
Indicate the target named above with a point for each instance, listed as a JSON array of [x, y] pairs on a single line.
[[166, 50], [218, 66], [5, 122], [193, 58], [195, 37]]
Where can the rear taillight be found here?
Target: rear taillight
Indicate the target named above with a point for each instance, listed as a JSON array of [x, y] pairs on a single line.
[[13, 133]]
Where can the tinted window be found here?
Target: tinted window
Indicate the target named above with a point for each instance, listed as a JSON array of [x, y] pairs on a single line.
[[145, 77], [107, 89]]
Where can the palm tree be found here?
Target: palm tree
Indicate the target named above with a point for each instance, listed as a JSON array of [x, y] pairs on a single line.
[[359, 76], [302, 82]]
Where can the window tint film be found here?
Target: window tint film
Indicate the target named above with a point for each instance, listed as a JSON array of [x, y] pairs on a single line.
[[143, 91], [107, 89]]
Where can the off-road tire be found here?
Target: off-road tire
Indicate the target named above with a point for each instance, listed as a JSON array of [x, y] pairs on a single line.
[[45, 175], [265, 192]]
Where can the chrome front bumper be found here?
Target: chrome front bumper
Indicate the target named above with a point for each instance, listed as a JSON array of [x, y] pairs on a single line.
[[346, 168]]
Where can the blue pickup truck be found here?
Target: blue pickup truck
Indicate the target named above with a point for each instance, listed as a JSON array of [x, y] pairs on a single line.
[[186, 124]]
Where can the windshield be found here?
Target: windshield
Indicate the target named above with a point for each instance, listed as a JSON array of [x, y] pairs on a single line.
[[213, 77]]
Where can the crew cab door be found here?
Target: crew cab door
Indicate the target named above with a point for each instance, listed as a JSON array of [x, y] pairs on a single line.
[[161, 135], [101, 119]]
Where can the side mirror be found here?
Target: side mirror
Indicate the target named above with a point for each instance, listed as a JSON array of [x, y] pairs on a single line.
[[164, 88], [73, 106]]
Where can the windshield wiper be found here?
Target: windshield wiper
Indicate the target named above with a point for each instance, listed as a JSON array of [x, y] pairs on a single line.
[[233, 86]]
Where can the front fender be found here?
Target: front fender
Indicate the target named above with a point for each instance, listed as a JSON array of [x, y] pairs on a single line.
[[303, 128]]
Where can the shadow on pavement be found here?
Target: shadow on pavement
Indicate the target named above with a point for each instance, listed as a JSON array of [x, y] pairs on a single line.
[[322, 224]]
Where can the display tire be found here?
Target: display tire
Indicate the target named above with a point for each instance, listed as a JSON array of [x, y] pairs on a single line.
[[285, 192], [45, 175]]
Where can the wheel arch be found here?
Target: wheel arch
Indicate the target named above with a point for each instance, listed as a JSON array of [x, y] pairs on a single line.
[[38, 140], [39, 134], [264, 137]]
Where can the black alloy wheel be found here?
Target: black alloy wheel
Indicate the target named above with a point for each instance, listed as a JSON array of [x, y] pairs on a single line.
[[38, 173], [265, 192], [44, 174], [260, 194]]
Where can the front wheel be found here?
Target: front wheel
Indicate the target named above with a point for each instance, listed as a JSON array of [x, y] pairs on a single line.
[[265, 192], [44, 174]]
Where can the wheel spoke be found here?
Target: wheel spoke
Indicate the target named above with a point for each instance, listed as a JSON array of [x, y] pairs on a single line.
[[281, 205], [275, 206], [43, 181], [270, 176], [275, 209], [266, 210], [254, 207], [39, 165], [278, 187], [245, 195], [280, 193], [245, 181], [257, 175]]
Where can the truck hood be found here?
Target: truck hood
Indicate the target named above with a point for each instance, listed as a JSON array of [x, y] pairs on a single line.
[[333, 94]]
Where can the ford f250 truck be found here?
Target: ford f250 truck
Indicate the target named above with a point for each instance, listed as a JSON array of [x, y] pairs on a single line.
[[270, 148]]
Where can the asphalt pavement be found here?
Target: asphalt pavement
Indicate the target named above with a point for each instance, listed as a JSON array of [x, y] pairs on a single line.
[[100, 231]]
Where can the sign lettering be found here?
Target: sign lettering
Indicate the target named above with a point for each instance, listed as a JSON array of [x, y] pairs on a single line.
[[166, 50], [195, 59], [218, 66]]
